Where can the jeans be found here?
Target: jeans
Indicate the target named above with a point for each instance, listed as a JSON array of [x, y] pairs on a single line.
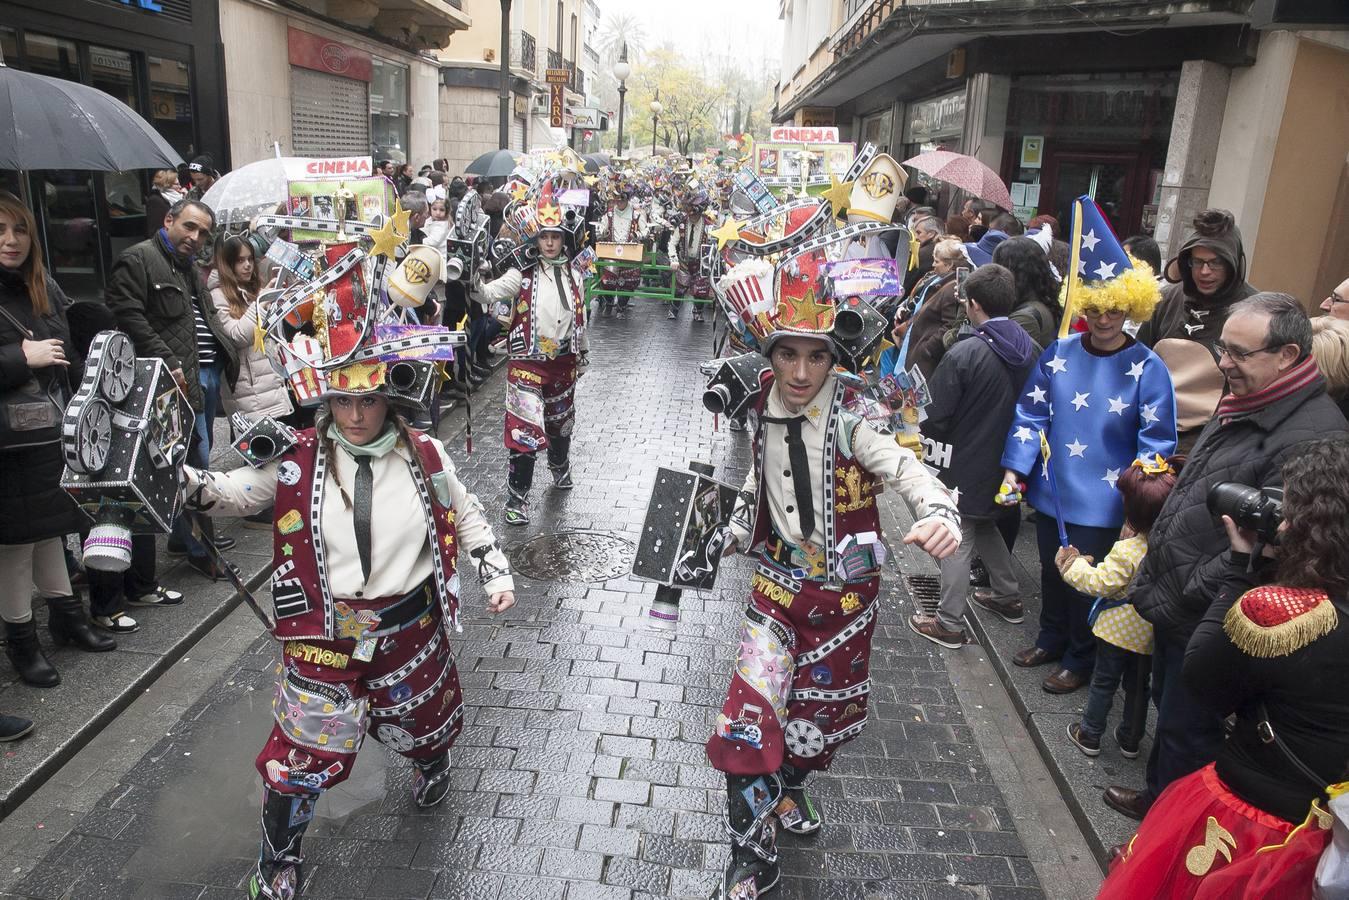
[[109, 590], [1063, 611], [981, 537], [1113, 666], [199, 452], [1189, 731]]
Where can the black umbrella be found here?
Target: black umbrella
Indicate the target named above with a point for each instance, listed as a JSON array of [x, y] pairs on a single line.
[[50, 123], [495, 163], [596, 161]]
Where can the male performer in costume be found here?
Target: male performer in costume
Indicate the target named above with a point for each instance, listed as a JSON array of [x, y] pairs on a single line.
[[546, 340], [808, 511], [624, 223], [686, 248]]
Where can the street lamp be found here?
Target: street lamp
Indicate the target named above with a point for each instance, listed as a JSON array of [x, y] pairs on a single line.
[[621, 71], [656, 107]]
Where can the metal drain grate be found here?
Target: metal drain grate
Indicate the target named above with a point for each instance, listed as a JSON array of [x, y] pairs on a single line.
[[925, 591], [572, 556]]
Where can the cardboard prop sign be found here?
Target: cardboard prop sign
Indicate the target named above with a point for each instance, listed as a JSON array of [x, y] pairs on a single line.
[[685, 530]]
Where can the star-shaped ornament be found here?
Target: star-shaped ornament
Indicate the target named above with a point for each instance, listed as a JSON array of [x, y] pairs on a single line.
[[1105, 271], [1136, 370], [519, 192], [837, 194], [1148, 413], [401, 218], [1023, 434], [287, 550], [385, 240], [730, 231], [1090, 240]]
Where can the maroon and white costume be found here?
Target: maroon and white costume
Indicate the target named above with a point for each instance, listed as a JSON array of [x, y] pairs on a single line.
[[622, 226]]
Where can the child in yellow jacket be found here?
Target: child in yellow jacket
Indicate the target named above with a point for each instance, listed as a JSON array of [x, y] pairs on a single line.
[[1123, 637]]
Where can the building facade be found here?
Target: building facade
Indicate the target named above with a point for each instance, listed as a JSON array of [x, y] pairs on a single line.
[[1156, 109]]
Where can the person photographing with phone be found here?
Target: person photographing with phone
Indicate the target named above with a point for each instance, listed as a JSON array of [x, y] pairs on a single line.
[[925, 315]]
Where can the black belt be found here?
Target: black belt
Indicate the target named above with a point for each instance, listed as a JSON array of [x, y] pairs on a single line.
[[405, 611]]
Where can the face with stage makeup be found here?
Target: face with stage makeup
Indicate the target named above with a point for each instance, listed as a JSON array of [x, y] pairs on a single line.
[[360, 418]]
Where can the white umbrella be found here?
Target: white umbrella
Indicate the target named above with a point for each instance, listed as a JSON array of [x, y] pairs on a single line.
[[248, 191]]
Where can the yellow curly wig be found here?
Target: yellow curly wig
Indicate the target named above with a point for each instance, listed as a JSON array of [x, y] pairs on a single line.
[[1134, 292]]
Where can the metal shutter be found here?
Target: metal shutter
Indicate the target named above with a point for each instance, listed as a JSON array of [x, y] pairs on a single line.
[[330, 116], [517, 133]]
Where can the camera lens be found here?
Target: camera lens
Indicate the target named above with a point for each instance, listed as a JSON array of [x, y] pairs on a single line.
[[262, 447], [717, 398]]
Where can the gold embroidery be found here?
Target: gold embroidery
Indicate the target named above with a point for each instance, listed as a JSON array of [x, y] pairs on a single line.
[[850, 602], [526, 375], [852, 494], [772, 590], [1201, 857]]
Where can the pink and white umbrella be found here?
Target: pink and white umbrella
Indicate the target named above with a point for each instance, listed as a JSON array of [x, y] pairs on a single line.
[[964, 172]]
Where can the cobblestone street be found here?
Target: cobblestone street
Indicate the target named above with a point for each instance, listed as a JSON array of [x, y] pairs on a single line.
[[581, 772]]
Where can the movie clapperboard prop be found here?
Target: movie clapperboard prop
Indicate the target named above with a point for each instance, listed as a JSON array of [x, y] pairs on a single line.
[[684, 531], [124, 436]]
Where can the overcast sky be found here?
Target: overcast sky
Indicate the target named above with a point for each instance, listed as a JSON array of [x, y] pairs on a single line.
[[748, 28]]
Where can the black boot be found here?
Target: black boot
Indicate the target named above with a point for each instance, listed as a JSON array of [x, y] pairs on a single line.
[[430, 780], [27, 656], [753, 867], [559, 462], [796, 811], [69, 624], [280, 872]]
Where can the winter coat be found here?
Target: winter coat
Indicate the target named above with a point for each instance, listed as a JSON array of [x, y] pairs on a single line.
[[974, 393], [1187, 561], [938, 313], [1039, 320], [152, 298], [257, 389], [916, 274], [32, 505]]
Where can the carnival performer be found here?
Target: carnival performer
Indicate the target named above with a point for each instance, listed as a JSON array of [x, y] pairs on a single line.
[[686, 247], [365, 613], [624, 223], [549, 351], [808, 512]]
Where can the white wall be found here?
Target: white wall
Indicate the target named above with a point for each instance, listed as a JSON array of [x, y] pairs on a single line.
[[424, 107], [257, 75]]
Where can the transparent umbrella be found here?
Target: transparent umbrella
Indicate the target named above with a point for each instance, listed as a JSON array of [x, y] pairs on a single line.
[[248, 191]]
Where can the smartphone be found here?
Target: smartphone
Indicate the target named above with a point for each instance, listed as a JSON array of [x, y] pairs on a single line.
[[961, 274]]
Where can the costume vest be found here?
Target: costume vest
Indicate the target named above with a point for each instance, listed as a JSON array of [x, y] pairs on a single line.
[[521, 342], [695, 233], [304, 605], [849, 495], [635, 226]]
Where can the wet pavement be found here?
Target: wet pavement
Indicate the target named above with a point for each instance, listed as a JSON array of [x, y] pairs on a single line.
[[580, 772]]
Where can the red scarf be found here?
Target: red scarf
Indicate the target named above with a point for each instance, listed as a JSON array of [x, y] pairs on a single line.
[[1295, 379]]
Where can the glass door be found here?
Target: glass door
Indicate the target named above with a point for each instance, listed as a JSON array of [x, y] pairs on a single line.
[[1111, 179]]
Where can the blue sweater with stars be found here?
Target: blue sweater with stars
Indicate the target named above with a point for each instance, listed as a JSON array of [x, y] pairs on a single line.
[[1099, 413]]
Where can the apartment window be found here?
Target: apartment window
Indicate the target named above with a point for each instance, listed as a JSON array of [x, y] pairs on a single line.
[[558, 20], [389, 111]]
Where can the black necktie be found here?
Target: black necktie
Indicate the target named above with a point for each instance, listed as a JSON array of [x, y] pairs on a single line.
[[364, 482], [800, 463], [563, 297]]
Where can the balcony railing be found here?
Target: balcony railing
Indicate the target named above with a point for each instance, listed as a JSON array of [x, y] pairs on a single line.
[[575, 77], [524, 51], [554, 59]]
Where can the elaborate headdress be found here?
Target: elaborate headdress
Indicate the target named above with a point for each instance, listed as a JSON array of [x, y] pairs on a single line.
[[1101, 275]]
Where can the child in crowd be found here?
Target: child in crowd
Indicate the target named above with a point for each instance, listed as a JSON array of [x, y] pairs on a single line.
[[1122, 635]]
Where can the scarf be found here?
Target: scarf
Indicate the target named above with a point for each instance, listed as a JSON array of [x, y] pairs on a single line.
[[378, 447], [178, 260], [1295, 379]]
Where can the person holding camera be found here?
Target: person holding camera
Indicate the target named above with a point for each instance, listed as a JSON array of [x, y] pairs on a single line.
[[1273, 649], [1276, 401]]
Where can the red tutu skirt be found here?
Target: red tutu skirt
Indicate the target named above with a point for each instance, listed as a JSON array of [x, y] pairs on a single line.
[[1200, 840]]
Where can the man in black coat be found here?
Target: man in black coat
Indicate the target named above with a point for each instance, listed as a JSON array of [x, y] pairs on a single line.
[[974, 393], [1276, 401]]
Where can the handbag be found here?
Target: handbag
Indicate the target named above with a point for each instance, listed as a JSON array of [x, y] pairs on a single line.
[[29, 415]]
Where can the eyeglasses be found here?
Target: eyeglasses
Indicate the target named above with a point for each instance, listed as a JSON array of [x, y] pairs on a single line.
[[1094, 312], [1336, 298], [1241, 355], [1216, 264]]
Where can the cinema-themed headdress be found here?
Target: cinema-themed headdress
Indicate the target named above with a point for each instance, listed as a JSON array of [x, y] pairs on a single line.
[[1101, 274], [876, 190], [549, 213]]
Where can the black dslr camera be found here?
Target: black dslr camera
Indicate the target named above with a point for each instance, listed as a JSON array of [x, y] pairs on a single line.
[[262, 440], [735, 385], [1255, 509]]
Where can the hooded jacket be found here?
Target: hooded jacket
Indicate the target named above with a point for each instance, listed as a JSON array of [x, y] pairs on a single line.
[[974, 393], [1185, 324]]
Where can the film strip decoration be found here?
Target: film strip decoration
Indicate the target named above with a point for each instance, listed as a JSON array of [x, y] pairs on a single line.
[[859, 164], [349, 229], [844, 234], [89, 417], [800, 235], [401, 345]]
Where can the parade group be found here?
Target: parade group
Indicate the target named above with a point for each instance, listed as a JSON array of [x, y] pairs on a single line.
[[859, 345]]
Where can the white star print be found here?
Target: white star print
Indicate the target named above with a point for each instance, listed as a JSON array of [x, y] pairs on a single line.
[[1037, 395], [1136, 370], [1080, 400], [1076, 448], [1118, 406], [1023, 434], [1081, 267], [1105, 270], [1149, 413], [1111, 476], [1058, 364], [1090, 240]]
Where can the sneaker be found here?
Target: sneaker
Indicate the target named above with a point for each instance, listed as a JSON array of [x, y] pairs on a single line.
[[13, 727], [797, 812], [929, 627], [672, 314], [1009, 608], [224, 542], [516, 515], [1090, 746], [562, 478], [1128, 750], [697, 315], [117, 623], [160, 596]]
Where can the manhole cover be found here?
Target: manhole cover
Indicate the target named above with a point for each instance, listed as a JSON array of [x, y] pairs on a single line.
[[573, 556]]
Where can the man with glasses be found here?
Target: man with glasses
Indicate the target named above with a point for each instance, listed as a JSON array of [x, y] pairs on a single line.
[[1205, 278], [1337, 304], [808, 514], [1276, 401]]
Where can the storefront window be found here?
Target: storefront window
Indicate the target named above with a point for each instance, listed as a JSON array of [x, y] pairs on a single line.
[[389, 111], [171, 102], [876, 130]]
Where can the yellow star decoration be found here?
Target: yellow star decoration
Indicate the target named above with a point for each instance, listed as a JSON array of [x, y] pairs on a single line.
[[806, 314], [361, 376], [838, 194], [401, 219], [519, 191], [730, 231], [386, 239]]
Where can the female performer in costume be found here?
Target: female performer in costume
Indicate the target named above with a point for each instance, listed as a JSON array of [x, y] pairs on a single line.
[[365, 613], [549, 350], [624, 223]]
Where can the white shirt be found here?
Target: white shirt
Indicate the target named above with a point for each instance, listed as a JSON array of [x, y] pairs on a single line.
[[400, 546], [621, 224], [555, 319], [877, 453]]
